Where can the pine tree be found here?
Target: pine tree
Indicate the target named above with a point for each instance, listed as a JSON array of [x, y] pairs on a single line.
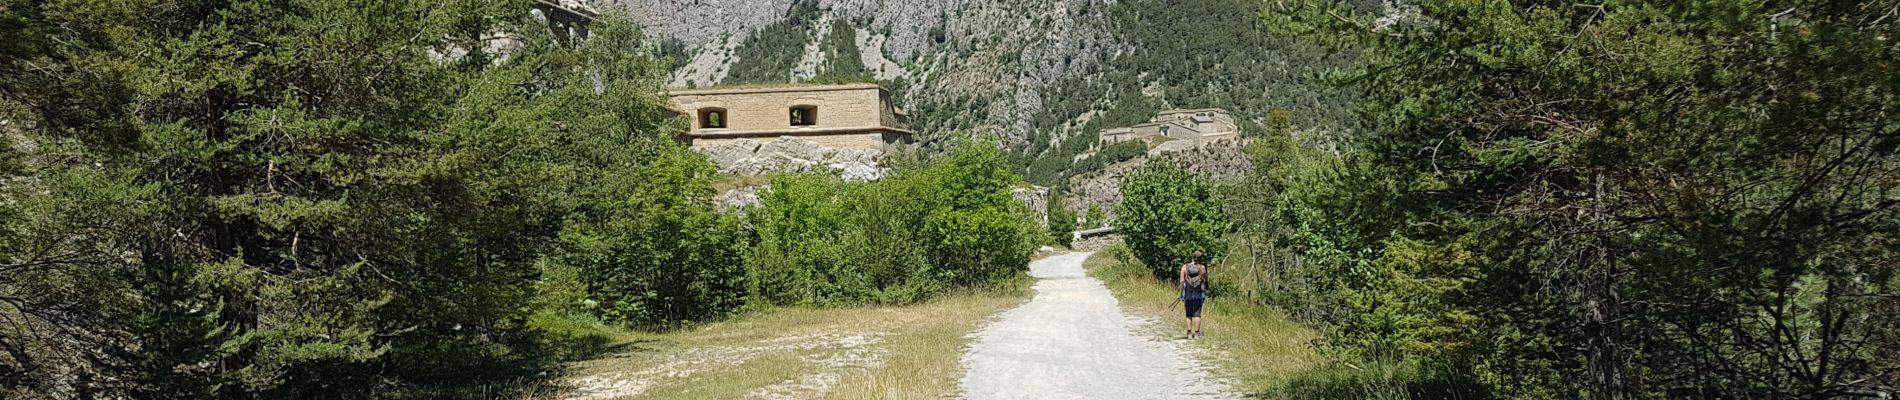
[[1624, 200], [293, 199]]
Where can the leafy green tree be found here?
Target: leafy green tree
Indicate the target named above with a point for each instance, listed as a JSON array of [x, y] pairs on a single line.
[[1168, 214], [974, 227], [798, 259], [947, 222]]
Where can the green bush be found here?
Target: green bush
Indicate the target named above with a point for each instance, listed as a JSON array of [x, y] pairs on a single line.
[[974, 227], [1168, 213], [663, 255], [823, 240]]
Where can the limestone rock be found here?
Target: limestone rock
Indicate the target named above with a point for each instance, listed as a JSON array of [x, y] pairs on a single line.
[[754, 157], [1037, 198], [1008, 52], [1224, 158], [1218, 159], [740, 199]]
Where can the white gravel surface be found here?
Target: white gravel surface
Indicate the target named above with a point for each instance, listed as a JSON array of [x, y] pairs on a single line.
[[1072, 341]]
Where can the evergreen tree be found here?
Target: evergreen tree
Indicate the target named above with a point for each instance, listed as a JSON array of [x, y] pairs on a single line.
[[1061, 220], [293, 199], [1633, 199]]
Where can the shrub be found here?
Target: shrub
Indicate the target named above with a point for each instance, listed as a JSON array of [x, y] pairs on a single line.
[[826, 241], [823, 240], [1168, 214], [663, 255], [974, 228]]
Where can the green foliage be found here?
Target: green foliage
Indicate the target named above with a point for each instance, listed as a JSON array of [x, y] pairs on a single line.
[[662, 255], [1630, 200], [1046, 170], [770, 54], [819, 243], [1096, 217], [1062, 220], [974, 227], [1194, 54], [295, 199], [1380, 381], [950, 222], [1168, 214], [843, 59]]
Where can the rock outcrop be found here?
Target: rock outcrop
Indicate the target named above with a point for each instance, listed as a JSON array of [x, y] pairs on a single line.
[[1006, 53], [1037, 198], [753, 157], [740, 199], [1217, 159]]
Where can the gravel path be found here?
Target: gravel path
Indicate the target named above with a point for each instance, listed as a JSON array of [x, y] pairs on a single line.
[[1072, 341]]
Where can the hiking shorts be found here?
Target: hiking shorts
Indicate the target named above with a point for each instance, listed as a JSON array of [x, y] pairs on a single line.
[[1193, 307]]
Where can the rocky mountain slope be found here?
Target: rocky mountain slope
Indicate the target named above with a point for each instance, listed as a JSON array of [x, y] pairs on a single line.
[[1001, 54], [1043, 75]]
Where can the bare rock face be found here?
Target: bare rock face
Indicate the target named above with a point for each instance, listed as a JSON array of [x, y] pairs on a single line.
[[1219, 159], [740, 199], [1004, 52], [1037, 198], [1224, 158], [1103, 188], [754, 157]]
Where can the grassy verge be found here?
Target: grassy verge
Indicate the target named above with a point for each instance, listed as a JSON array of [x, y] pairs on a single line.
[[1256, 346], [1267, 354], [886, 352]]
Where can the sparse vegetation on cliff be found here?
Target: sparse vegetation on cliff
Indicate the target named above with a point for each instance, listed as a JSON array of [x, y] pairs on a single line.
[[1183, 54]]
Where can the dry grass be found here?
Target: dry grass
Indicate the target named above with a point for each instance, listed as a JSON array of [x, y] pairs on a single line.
[[733, 181], [924, 361], [1256, 346], [885, 352]]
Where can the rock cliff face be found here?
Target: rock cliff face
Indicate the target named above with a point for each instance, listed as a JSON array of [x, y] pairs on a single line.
[[1037, 198], [754, 157], [1215, 159], [949, 53]]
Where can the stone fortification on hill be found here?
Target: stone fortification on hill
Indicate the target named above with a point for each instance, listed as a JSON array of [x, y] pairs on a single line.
[[762, 129], [1201, 124]]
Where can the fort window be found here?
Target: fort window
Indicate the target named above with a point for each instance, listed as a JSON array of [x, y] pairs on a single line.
[[712, 118], [804, 116]]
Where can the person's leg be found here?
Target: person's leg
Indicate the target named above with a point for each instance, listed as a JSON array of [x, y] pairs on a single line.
[[1194, 317], [1191, 314]]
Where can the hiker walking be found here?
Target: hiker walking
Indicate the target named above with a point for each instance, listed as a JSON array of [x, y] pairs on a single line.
[[1193, 292]]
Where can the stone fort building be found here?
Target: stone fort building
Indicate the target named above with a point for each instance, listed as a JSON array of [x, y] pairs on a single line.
[[852, 116], [1206, 123], [755, 130]]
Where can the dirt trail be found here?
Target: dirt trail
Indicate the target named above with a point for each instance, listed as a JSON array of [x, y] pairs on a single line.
[[1072, 341]]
